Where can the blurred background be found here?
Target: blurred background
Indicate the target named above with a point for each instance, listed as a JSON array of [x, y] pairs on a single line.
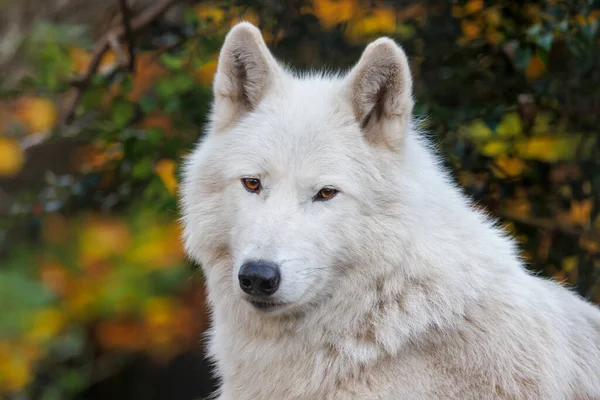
[[101, 101]]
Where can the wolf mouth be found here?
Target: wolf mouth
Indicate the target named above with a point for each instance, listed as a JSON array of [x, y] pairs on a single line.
[[265, 305]]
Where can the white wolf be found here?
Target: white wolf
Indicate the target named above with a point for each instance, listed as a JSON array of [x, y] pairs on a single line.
[[341, 261]]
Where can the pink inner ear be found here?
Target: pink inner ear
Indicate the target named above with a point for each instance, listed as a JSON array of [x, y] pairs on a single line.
[[380, 87], [245, 72]]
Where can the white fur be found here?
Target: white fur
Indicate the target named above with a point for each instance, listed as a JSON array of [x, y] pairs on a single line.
[[397, 288]]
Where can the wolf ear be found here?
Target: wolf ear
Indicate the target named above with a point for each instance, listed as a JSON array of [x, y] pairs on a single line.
[[246, 70], [380, 91]]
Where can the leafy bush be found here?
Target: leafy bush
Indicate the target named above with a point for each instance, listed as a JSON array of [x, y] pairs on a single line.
[[89, 240]]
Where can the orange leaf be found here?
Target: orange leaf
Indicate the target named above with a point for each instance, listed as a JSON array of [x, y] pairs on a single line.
[[204, 75], [102, 238], [471, 30], [12, 157], [54, 277], [38, 114], [158, 120], [165, 169], [535, 69], [121, 335], [333, 12], [473, 6], [580, 211], [378, 21], [508, 167]]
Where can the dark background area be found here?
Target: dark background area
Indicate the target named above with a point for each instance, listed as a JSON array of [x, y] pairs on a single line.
[[101, 101]]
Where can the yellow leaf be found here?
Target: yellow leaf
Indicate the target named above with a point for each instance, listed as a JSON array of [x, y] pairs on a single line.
[[38, 114], [473, 6], [47, 323], [579, 213], [209, 12], [378, 21], [158, 311], [15, 372], [535, 69], [494, 148], [569, 264], [589, 245], [165, 169], [493, 17], [249, 16], [80, 59], [509, 125], [508, 166], [102, 238], [158, 247], [476, 130], [11, 157], [546, 148], [470, 29], [333, 12], [204, 75]]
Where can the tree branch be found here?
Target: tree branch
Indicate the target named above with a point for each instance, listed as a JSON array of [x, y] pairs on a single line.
[[129, 36], [102, 46]]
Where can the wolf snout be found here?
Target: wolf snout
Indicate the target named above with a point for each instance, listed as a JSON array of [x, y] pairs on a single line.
[[259, 278]]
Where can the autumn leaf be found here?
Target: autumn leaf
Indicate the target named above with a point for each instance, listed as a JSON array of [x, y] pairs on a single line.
[[39, 115], [470, 29], [535, 68], [12, 157], [546, 148], [165, 169], [508, 167], [15, 371], [209, 11], [377, 21], [333, 12], [494, 148], [157, 247], [476, 130], [204, 74], [473, 6], [580, 211], [509, 126], [80, 60], [47, 323], [127, 335], [102, 238], [54, 277]]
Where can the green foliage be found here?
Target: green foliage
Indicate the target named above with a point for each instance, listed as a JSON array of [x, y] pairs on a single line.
[[509, 91]]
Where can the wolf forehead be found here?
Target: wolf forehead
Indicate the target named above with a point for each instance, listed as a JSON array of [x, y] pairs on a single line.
[[307, 127]]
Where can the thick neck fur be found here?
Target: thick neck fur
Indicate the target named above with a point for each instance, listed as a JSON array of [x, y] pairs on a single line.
[[397, 302]]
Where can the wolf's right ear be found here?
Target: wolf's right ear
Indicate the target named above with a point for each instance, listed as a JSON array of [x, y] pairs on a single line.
[[246, 71], [379, 89]]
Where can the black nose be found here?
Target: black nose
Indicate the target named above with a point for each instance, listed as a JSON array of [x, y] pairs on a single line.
[[259, 278]]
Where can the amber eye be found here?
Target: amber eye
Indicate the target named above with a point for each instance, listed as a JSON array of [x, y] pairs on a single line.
[[326, 193], [251, 184]]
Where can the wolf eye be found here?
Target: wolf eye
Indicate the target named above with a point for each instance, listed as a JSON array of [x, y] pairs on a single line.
[[251, 184], [325, 194]]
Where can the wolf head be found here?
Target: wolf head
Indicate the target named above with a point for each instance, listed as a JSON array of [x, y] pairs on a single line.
[[295, 176]]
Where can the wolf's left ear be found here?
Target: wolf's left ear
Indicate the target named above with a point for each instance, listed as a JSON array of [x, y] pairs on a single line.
[[246, 71], [379, 88]]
